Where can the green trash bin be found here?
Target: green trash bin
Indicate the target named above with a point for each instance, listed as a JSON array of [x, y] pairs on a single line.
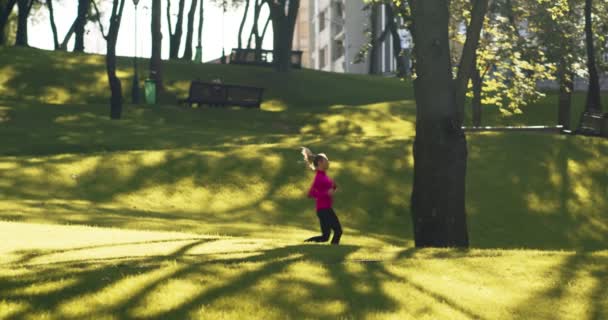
[[150, 91]]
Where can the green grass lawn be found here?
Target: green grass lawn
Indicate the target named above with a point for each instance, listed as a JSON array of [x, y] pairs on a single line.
[[175, 213]]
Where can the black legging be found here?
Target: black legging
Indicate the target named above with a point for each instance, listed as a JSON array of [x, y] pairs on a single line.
[[329, 221]]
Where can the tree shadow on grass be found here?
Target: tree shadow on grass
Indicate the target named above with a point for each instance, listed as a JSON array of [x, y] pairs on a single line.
[[267, 278]]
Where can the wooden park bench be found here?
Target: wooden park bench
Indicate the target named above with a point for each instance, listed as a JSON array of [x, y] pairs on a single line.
[[262, 58], [593, 123], [220, 94]]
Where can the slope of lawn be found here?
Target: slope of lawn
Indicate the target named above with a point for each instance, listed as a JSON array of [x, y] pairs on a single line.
[[174, 213]]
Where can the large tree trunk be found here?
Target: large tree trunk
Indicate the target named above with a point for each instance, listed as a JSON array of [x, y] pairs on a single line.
[[157, 38], [593, 95], [81, 22], [49, 4], [440, 146], [115, 85], [243, 20], [175, 39], [397, 50], [6, 8], [566, 88], [283, 27], [189, 32], [24, 7]]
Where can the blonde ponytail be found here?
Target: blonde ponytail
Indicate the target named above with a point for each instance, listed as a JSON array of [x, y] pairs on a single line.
[[309, 157]]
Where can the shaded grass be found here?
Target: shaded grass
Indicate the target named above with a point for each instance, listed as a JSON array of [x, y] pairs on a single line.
[[194, 278]]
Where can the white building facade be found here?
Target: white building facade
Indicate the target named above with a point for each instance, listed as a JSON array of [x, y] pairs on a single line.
[[338, 30]]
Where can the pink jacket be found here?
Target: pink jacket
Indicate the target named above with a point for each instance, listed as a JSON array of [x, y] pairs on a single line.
[[320, 190]]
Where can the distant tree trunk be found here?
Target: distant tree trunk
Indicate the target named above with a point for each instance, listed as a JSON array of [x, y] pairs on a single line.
[[256, 36], [24, 7], [566, 88], [200, 24], [5, 12], [440, 146], [593, 95], [157, 38], [468, 61], [175, 39], [283, 26], [49, 4], [81, 22], [115, 84], [476, 103], [374, 25], [68, 36], [397, 50], [243, 20], [189, 32]]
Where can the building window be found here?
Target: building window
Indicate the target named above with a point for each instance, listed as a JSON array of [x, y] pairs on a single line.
[[322, 58], [322, 21], [339, 9], [338, 49]]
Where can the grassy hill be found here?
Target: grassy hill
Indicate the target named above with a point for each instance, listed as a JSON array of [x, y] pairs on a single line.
[[176, 212]]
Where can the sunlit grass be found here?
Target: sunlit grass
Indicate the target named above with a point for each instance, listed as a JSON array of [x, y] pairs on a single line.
[[176, 213]]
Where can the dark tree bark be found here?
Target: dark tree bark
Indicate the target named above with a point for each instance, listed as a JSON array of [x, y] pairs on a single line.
[[258, 38], [468, 61], [440, 146], [373, 50], [81, 22], [593, 95], [189, 32], [157, 38], [24, 7], [68, 36], [175, 38], [283, 26], [49, 4], [115, 84], [566, 88], [243, 20], [397, 50], [6, 8], [200, 24], [476, 103]]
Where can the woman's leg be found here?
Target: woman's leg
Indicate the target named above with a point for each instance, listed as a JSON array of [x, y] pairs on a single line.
[[324, 221], [335, 225]]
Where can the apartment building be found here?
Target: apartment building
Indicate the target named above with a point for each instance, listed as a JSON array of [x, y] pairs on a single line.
[[337, 31]]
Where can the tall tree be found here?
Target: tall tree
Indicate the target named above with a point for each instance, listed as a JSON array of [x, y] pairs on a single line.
[[256, 35], [111, 38], [440, 147], [199, 47], [593, 94], [468, 61], [375, 38], [283, 14], [81, 21], [49, 4], [190, 31], [157, 38], [391, 22], [242, 26], [175, 38], [25, 7], [6, 8]]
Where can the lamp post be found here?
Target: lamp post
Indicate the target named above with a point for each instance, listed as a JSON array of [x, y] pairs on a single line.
[[135, 86]]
